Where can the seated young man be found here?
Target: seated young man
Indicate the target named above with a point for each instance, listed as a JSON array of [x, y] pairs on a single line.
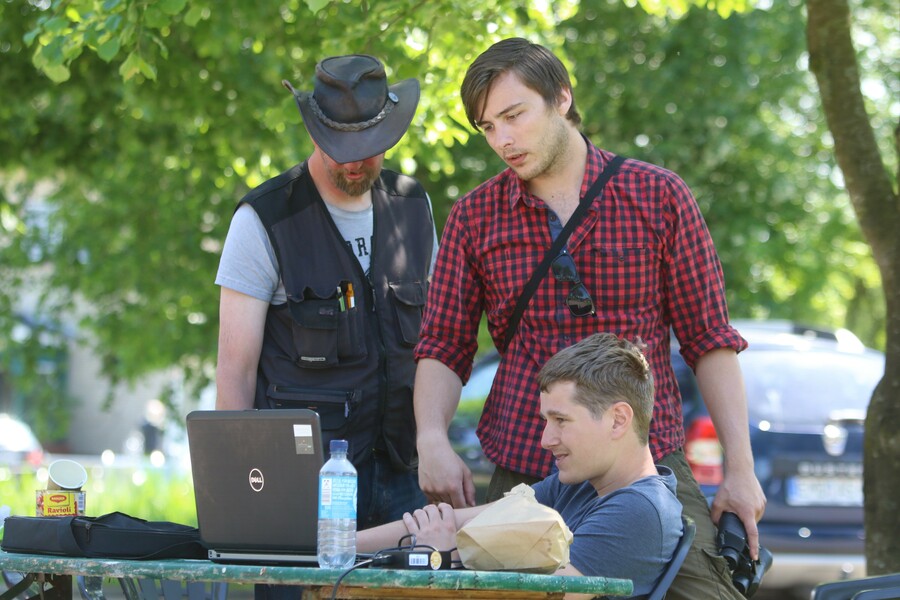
[[597, 400]]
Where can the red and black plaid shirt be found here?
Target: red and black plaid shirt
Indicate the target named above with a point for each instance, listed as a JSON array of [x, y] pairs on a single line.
[[646, 257]]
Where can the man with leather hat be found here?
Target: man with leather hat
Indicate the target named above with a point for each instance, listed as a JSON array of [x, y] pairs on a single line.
[[323, 279]]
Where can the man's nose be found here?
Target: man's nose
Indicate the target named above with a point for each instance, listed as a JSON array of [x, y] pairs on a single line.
[[503, 136], [548, 438]]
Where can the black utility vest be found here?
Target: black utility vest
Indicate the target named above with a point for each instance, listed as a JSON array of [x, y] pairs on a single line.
[[352, 362]]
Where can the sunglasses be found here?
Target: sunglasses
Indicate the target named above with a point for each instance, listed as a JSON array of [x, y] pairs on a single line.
[[579, 300]]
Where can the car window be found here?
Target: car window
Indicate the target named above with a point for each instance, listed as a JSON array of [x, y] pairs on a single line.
[[790, 388], [479, 384]]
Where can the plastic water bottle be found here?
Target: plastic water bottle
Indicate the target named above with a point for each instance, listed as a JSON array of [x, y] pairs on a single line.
[[337, 510]]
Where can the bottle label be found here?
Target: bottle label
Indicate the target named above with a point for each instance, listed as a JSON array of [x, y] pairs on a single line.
[[337, 497]]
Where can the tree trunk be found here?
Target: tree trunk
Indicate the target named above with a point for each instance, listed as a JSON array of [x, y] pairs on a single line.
[[833, 61]]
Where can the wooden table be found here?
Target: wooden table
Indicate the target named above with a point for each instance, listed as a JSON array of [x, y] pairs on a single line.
[[358, 584]]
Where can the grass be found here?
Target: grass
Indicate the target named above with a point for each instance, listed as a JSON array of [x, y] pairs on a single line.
[[138, 489]]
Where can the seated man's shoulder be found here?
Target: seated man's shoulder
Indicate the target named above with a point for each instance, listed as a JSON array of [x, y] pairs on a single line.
[[658, 494], [646, 510]]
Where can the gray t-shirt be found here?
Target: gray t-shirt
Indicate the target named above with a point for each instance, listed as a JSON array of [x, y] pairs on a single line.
[[248, 263], [630, 533], [356, 229]]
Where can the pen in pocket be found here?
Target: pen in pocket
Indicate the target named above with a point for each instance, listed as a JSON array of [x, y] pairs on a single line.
[[340, 297]]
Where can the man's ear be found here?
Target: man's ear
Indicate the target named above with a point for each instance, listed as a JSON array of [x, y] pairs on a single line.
[[564, 102], [622, 417]]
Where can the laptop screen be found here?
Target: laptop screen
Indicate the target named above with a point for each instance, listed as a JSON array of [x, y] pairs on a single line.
[[255, 476]]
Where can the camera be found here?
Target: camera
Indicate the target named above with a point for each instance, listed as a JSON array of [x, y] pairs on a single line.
[[731, 541]]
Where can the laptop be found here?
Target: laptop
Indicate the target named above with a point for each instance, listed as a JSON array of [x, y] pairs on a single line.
[[256, 483]]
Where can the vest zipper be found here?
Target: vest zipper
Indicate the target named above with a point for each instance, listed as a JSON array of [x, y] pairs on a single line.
[[376, 322], [382, 351]]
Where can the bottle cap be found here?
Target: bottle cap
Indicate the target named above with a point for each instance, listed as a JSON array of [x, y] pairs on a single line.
[[339, 446]]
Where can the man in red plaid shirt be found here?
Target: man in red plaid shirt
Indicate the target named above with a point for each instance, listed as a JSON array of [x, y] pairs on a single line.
[[639, 264]]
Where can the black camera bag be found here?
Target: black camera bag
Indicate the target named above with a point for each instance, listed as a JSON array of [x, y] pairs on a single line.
[[114, 535]]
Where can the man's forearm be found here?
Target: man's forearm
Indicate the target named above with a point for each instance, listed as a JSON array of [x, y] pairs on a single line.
[[436, 398], [722, 387], [235, 376], [389, 535], [443, 476], [234, 393]]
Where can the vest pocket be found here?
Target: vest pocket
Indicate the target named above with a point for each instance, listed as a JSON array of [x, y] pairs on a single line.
[[408, 302], [326, 332], [335, 407], [351, 344]]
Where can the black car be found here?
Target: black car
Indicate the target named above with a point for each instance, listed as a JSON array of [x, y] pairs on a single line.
[[807, 394]]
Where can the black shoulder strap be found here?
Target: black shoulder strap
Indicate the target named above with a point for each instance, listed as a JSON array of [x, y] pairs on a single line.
[[531, 287]]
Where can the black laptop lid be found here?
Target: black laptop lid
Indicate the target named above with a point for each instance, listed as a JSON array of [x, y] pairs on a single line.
[[255, 478]]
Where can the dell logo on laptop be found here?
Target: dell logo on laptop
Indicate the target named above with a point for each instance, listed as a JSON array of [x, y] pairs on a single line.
[[256, 480]]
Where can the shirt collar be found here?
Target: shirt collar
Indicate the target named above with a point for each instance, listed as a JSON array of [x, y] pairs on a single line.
[[595, 163], [517, 191]]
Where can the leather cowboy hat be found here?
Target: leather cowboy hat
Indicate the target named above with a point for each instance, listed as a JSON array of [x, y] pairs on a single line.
[[352, 114]]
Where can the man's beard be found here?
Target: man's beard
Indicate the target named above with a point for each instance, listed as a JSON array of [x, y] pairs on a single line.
[[357, 187], [554, 149]]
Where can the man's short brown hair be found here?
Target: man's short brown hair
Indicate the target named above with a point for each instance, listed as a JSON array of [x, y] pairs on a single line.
[[537, 67], [605, 369]]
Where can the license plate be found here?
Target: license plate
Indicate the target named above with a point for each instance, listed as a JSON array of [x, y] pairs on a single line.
[[825, 491]]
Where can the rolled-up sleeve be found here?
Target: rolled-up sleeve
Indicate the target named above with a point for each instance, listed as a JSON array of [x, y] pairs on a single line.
[[453, 311], [694, 279]]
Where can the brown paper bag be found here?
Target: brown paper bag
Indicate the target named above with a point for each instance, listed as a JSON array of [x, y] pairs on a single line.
[[516, 533]]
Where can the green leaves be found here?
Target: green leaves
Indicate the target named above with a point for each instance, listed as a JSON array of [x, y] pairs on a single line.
[[119, 28], [316, 5], [108, 49], [135, 64], [171, 7], [195, 13]]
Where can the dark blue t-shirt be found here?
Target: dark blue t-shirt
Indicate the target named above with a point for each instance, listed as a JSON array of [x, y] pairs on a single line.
[[630, 533]]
